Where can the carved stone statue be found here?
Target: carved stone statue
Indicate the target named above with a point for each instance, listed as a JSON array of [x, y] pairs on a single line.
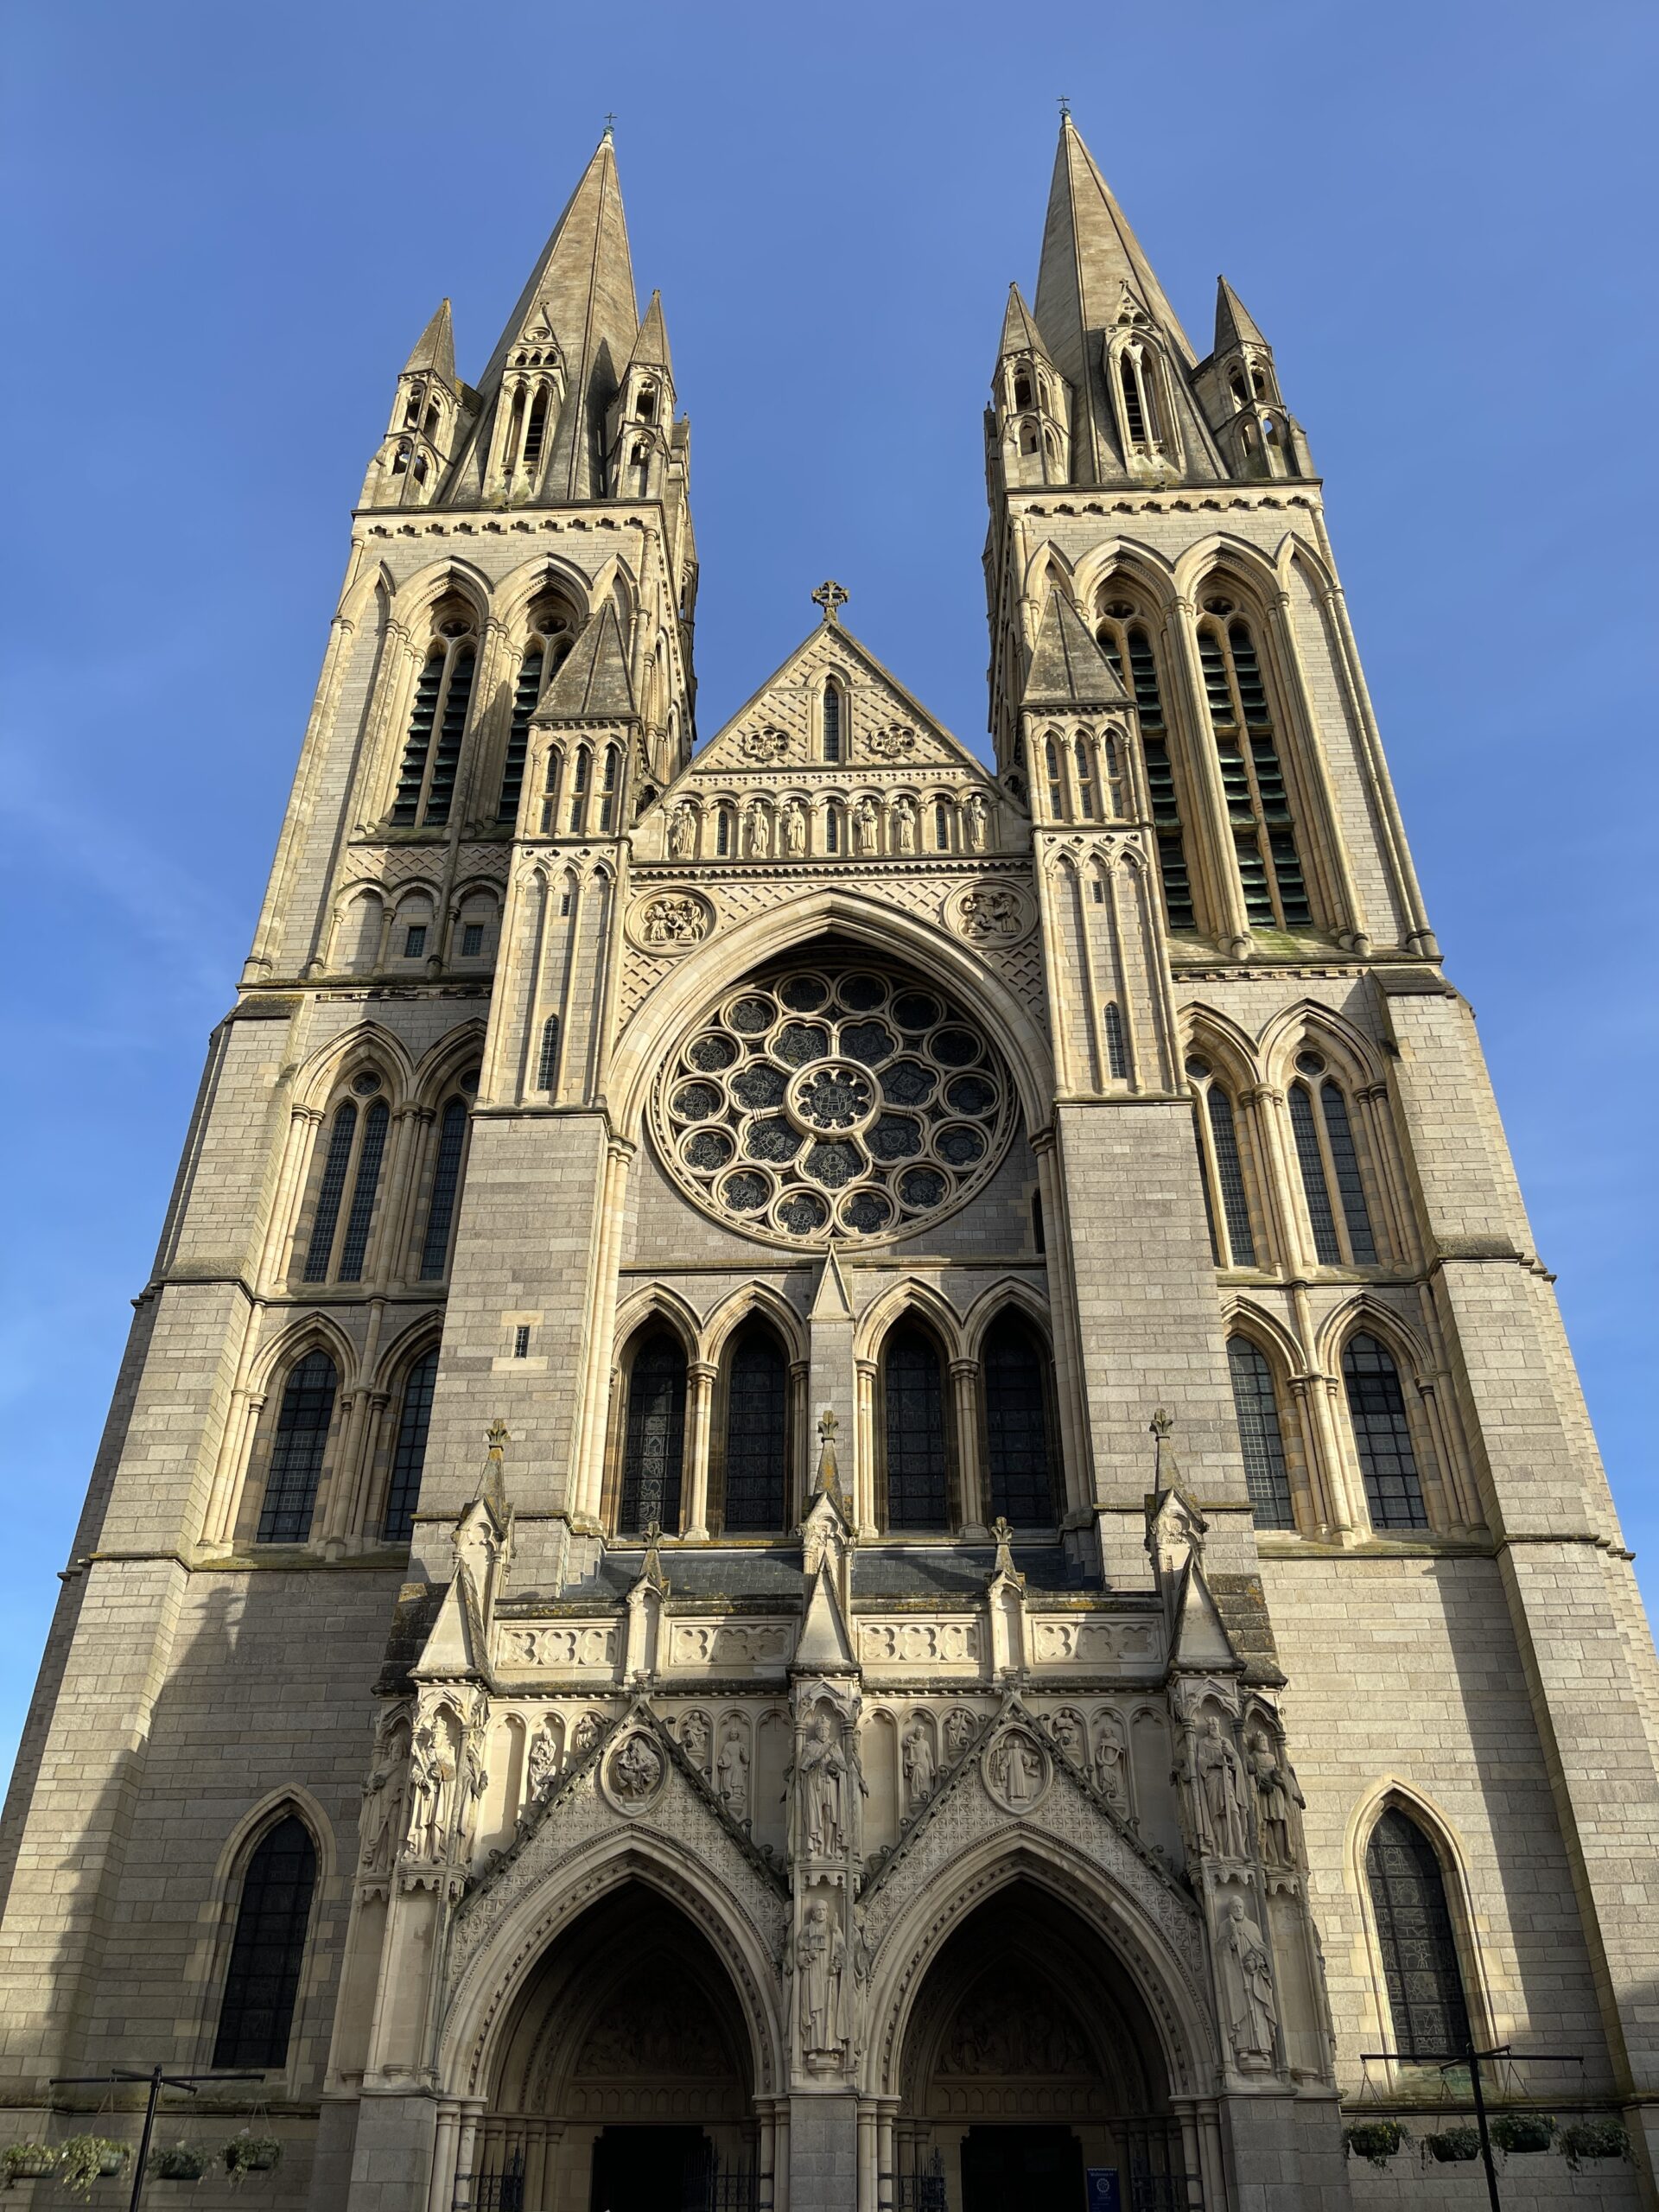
[[733, 1770], [542, 1768], [866, 825], [637, 1770], [584, 1735], [1111, 1777], [1246, 1980], [821, 1965], [1220, 1799], [975, 814], [473, 1781], [823, 1788], [1275, 1793], [794, 828], [1072, 1735], [694, 1740], [674, 920], [758, 831], [1015, 1767], [682, 833], [921, 1768], [432, 1797], [958, 1732], [385, 1802], [904, 824]]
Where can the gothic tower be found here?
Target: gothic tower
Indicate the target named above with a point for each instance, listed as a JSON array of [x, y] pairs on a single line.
[[847, 1481]]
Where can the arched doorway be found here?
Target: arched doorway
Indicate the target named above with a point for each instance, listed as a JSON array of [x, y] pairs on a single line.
[[1030, 2058], [624, 2075]]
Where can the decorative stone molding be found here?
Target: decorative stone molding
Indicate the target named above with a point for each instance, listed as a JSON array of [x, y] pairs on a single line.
[[670, 922], [991, 914]]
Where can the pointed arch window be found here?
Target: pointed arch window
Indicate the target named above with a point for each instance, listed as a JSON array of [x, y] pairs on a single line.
[[437, 726], [580, 772], [536, 431], [608, 788], [1426, 1999], [722, 832], [1019, 1453], [1087, 810], [831, 731], [1127, 644], [942, 825], [525, 694], [832, 827], [1376, 1408], [268, 1950], [445, 1188], [1221, 1153], [356, 1143], [1247, 749], [303, 1418], [547, 1067], [1117, 1048], [757, 1435], [408, 1448], [653, 1451], [1055, 783], [1329, 1161], [1260, 1437], [917, 1456]]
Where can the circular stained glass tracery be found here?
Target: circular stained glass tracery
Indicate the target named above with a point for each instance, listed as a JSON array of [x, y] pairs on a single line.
[[820, 1103]]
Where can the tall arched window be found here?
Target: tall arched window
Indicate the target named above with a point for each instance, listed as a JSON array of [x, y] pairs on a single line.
[[446, 1187], [917, 1460], [536, 431], [1052, 772], [1259, 1434], [1117, 1050], [297, 1447], [579, 775], [1329, 1161], [1377, 1408], [722, 832], [1086, 807], [1258, 806], [608, 788], [1222, 1155], [267, 1949], [653, 1445], [357, 1141], [547, 1067], [551, 791], [437, 723], [1413, 1928], [1136, 383], [831, 731], [942, 825], [757, 1435], [548, 646], [1127, 643], [1019, 1460], [409, 1449]]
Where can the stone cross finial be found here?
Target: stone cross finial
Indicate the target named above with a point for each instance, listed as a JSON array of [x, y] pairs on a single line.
[[1065, 106], [831, 597], [610, 121], [1160, 1424], [496, 1437]]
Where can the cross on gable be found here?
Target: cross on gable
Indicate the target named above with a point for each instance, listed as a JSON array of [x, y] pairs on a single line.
[[831, 597]]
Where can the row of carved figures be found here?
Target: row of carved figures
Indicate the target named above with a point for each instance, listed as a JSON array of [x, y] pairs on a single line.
[[872, 824]]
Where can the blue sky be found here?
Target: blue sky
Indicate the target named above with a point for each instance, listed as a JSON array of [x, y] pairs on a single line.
[[226, 226]]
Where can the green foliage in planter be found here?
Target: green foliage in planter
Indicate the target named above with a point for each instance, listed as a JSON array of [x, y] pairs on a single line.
[[1374, 2140], [180, 2162], [1454, 2146], [1593, 2138], [26, 2161], [1522, 2131], [252, 2154], [84, 2159]]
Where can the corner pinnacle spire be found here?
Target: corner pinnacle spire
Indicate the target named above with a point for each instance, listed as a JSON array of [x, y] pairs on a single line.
[[435, 349], [1234, 325], [1019, 331], [650, 346]]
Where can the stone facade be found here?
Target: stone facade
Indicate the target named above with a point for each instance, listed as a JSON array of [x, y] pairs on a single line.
[[804, 1579]]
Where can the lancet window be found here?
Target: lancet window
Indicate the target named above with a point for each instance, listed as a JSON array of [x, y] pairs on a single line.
[[1388, 1461], [304, 1416], [548, 646], [756, 1489], [917, 1456], [1261, 1439], [348, 1186], [830, 732], [1019, 1455], [1246, 748], [1137, 386], [1221, 1153], [1427, 2000], [262, 1982], [1332, 1185], [447, 1161], [1126, 641], [653, 1444], [409, 1449], [437, 721]]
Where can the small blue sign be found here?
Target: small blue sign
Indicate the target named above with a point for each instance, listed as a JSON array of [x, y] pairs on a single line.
[[1104, 2196]]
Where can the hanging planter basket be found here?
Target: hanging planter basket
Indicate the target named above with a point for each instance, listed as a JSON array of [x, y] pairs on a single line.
[[84, 2160], [1375, 2141], [1453, 2146], [27, 2162], [180, 2162], [1582, 2139], [1517, 2132], [252, 2154]]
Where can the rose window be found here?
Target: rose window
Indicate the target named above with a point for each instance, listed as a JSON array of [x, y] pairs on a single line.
[[818, 1103]]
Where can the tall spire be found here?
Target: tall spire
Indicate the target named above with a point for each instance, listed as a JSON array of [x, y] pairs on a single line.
[[650, 346], [1019, 331], [1234, 325], [581, 295], [435, 349], [1089, 254]]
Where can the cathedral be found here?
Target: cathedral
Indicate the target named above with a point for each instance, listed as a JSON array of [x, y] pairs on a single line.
[[847, 1485]]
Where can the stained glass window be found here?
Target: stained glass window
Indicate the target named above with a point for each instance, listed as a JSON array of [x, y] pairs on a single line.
[[408, 1452], [654, 1441], [302, 1419], [1376, 1406], [918, 1469], [268, 1948], [1259, 1435], [1414, 1927], [757, 1473], [446, 1185], [1017, 1462]]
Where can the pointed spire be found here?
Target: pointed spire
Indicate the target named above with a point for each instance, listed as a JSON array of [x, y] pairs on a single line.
[[1067, 667], [1234, 325], [580, 293], [650, 346], [1019, 333], [1090, 254], [435, 349], [593, 685]]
